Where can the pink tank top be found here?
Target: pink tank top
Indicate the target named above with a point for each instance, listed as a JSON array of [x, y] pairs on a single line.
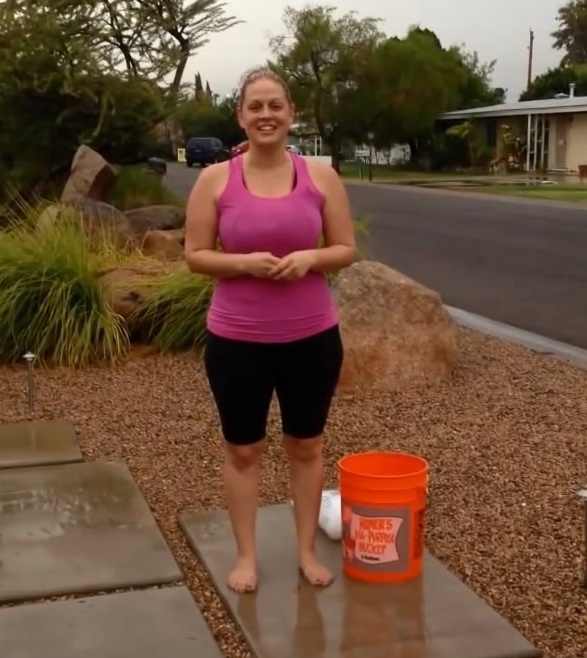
[[262, 310]]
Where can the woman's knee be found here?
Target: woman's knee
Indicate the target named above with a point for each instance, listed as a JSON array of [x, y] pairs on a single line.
[[243, 457], [303, 450]]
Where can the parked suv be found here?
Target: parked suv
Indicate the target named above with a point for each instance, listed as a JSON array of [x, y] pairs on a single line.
[[204, 151]]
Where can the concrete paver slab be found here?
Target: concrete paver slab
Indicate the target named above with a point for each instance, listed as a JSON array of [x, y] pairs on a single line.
[[77, 528], [435, 616], [37, 443], [145, 624]]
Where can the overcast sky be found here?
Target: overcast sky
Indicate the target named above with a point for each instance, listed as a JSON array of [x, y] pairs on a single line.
[[497, 29]]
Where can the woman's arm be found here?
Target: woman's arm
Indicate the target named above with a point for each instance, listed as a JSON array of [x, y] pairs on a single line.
[[201, 228], [340, 248]]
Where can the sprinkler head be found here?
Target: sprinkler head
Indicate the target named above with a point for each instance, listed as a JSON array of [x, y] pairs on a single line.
[[582, 494]]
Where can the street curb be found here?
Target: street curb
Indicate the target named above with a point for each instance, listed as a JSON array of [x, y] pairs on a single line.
[[470, 194], [541, 344]]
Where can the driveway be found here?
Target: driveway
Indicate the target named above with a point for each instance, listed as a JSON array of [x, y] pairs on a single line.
[[517, 261]]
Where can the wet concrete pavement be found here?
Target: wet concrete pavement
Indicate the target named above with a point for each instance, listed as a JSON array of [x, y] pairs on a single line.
[[521, 262], [435, 616], [37, 444], [156, 623], [76, 528], [72, 528]]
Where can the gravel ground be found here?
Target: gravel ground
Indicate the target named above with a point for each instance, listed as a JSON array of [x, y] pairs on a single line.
[[505, 440]]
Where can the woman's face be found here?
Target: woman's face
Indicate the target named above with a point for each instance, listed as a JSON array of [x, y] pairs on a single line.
[[266, 114]]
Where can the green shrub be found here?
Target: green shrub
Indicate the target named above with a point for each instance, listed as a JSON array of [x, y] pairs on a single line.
[[136, 187], [50, 298], [173, 315]]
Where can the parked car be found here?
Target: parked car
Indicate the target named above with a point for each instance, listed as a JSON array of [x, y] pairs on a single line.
[[204, 151], [239, 148]]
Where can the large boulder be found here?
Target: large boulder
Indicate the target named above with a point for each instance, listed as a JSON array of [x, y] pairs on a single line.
[[396, 332], [156, 218], [124, 289], [90, 176], [96, 217]]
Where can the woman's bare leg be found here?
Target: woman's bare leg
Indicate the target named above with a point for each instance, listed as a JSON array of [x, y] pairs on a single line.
[[306, 477], [242, 469]]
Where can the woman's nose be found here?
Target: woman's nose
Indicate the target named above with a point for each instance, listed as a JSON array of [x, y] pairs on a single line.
[[266, 112]]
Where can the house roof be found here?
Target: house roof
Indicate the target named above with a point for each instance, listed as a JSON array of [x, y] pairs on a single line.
[[568, 105]]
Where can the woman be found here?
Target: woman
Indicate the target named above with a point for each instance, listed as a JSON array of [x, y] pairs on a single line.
[[272, 322]]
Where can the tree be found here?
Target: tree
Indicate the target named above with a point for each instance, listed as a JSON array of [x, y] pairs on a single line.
[[148, 38], [417, 31], [476, 89], [55, 95], [557, 81], [73, 71], [199, 88], [320, 56], [353, 83], [476, 76], [571, 34], [176, 30], [471, 86], [405, 85]]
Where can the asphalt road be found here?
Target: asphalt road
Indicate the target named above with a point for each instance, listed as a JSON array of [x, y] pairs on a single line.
[[518, 261]]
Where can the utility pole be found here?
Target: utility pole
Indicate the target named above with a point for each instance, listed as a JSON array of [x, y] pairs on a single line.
[[530, 58]]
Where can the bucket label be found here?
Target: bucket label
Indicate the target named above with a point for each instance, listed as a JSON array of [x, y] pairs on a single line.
[[376, 539]]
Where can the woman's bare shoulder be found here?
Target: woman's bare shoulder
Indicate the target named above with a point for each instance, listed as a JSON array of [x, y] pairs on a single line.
[[214, 178], [323, 175]]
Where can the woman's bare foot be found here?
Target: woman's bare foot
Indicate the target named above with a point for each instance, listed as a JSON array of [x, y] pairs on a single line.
[[243, 578], [314, 571]]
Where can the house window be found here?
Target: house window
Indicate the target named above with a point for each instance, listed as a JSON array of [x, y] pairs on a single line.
[[491, 133]]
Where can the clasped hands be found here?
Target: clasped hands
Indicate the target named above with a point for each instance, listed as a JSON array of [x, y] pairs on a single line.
[[265, 265]]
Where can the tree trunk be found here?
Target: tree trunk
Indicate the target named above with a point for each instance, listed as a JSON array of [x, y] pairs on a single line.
[[415, 153], [180, 69]]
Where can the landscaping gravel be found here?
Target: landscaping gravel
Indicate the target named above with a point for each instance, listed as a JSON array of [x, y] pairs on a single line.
[[505, 440]]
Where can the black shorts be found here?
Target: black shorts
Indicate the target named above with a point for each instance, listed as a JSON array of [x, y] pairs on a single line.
[[243, 376]]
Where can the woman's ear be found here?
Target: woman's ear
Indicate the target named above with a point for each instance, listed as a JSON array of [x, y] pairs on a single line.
[[238, 115]]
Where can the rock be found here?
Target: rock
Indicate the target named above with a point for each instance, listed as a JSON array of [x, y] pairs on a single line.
[[124, 289], [396, 332], [91, 176], [168, 244], [156, 218], [50, 214], [95, 216]]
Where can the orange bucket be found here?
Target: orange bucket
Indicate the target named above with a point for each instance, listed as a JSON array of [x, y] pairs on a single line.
[[383, 497]]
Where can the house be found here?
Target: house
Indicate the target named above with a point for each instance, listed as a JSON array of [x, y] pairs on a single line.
[[555, 129]]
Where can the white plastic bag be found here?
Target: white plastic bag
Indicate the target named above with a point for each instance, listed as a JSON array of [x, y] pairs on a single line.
[[330, 519]]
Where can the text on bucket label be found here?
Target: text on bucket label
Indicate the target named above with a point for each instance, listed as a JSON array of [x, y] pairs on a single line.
[[375, 538]]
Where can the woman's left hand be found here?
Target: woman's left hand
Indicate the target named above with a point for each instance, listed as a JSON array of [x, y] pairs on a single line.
[[294, 266]]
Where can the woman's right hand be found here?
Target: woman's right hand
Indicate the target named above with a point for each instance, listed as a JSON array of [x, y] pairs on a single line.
[[260, 264]]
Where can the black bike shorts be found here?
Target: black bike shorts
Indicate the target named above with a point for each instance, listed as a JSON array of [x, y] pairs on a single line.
[[243, 376]]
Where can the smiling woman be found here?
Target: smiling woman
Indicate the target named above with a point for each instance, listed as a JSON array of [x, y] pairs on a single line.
[[284, 224]]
